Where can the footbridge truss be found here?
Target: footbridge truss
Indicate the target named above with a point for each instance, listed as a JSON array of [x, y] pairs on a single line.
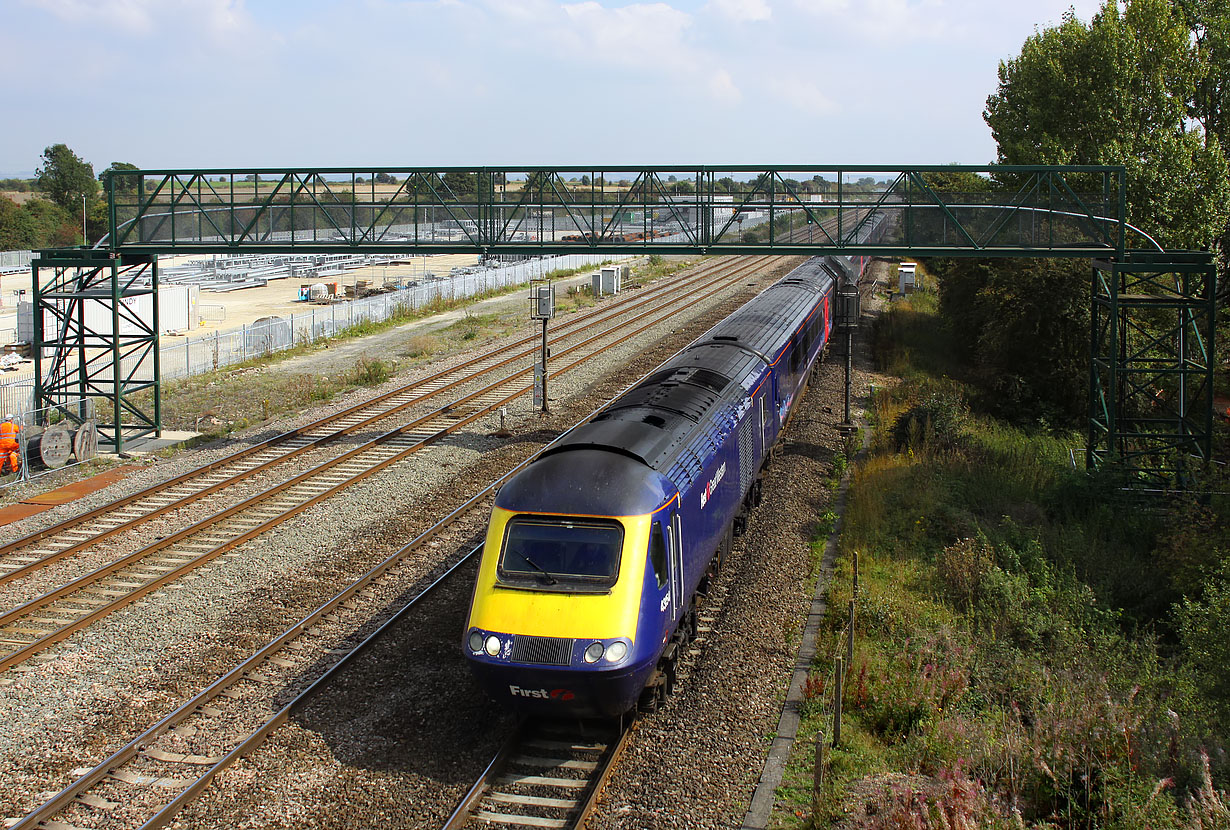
[[1152, 313]]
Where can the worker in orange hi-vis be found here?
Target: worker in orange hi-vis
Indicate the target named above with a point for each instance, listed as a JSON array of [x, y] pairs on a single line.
[[10, 450]]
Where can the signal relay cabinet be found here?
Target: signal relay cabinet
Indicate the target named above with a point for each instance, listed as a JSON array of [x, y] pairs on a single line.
[[608, 280]]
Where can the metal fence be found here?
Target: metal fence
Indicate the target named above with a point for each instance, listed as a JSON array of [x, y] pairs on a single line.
[[192, 356], [12, 262], [48, 440], [264, 337]]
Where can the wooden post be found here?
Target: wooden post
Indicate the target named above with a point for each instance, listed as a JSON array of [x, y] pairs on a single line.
[[838, 673], [850, 636], [817, 787]]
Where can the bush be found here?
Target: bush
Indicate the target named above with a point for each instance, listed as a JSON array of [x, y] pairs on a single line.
[[1202, 632], [963, 567], [372, 371], [934, 422]]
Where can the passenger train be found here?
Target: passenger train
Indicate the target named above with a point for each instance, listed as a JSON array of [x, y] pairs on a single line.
[[598, 550]]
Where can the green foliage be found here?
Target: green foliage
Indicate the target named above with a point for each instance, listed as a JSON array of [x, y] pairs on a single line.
[[1119, 91], [36, 224], [372, 371], [1026, 639], [1202, 632], [121, 172], [934, 421], [1023, 334], [65, 178], [461, 184]]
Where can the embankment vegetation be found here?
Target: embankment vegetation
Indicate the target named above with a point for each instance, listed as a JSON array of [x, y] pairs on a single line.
[[1034, 646]]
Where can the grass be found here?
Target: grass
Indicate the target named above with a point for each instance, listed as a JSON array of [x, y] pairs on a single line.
[[1009, 670]]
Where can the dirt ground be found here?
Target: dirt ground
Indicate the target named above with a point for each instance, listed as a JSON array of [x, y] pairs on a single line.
[[342, 356]]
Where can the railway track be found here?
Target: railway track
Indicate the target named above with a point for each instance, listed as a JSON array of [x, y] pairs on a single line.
[[45, 547], [551, 774], [546, 775], [146, 782], [39, 623], [152, 777]]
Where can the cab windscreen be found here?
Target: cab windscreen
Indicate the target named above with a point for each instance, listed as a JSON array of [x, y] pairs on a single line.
[[569, 554]]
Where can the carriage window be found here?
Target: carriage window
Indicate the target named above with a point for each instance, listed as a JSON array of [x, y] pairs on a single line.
[[657, 553], [546, 552]]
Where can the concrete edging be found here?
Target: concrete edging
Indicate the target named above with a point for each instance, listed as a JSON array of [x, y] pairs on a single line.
[[763, 800]]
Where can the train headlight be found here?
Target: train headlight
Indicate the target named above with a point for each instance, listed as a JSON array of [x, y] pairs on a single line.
[[476, 641], [617, 651], [594, 653], [493, 645]]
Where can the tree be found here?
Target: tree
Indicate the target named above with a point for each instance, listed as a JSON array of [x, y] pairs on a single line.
[[66, 178], [461, 184], [120, 172], [16, 232], [1119, 91], [1023, 327], [385, 178]]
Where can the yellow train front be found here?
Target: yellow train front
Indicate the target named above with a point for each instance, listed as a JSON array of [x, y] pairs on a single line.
[[569, 613], [598, 550]]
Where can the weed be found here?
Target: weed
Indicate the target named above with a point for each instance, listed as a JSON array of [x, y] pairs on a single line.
[[423, 345], [372, 371], [1006, 670]]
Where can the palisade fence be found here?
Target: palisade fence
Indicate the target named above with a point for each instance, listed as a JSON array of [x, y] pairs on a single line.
[[196, 355], [13, 262], [48, 441], [265, 337]]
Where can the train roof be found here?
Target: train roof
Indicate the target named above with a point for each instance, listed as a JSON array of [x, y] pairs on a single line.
[[766, 323], [671, 419], [612, 484]]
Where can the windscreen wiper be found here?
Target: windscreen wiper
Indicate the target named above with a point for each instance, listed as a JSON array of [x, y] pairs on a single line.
[[549, 580]]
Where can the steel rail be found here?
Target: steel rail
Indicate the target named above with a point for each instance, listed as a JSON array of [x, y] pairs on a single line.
[[42, 609], [484, 797], [72, 793], [559, 333]]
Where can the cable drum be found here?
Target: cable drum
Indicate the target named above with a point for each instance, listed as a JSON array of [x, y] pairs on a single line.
[[85, 441], [50, 449]]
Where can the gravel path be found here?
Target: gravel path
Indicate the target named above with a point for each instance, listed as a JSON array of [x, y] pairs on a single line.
[[104, 685]]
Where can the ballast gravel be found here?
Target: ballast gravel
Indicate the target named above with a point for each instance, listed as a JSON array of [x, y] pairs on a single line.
[[85, 698]]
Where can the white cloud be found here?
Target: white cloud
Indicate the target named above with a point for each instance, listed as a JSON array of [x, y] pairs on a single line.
[[722, 88], [927, 19], [147, 17], [741, 11], [629, 35], [804, 96]]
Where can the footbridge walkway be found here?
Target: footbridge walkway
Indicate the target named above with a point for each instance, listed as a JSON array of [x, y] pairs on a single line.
[[1152, 311]]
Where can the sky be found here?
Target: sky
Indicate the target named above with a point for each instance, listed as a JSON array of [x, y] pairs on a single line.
[[399, 83]]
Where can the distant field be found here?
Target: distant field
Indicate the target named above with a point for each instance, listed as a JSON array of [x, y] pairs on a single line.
[[18, 196]]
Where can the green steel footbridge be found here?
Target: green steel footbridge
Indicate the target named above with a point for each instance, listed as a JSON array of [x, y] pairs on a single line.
[[1153, 311]]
